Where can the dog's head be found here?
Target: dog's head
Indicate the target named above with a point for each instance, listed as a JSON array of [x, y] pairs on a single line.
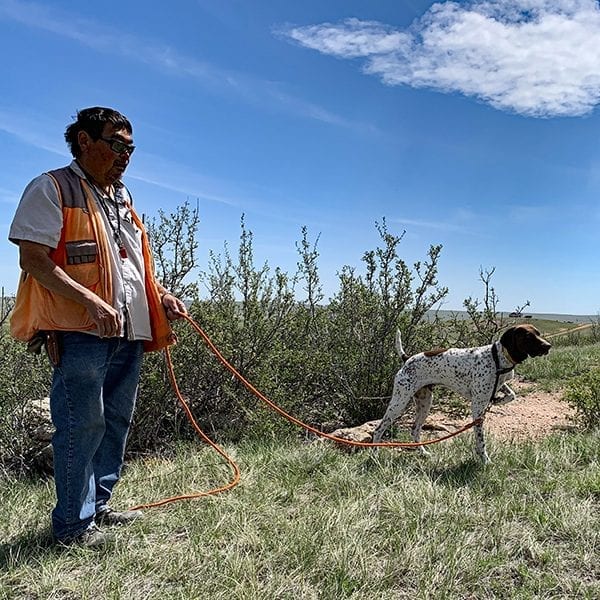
[[522, 341]]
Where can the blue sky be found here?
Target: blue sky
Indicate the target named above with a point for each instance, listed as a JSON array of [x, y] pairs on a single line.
[[468, 124]]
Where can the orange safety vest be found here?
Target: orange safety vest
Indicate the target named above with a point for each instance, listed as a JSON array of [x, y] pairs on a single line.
[[83, 254]]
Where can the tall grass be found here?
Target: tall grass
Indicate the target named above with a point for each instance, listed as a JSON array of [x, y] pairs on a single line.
[[312, 522]]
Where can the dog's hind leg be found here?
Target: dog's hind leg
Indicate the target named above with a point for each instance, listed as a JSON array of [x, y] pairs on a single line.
[[423, 400], [397, 405]]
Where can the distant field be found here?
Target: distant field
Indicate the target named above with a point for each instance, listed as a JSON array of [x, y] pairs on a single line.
[[553, 327], [574, 319], [577, 319], [570, 329]]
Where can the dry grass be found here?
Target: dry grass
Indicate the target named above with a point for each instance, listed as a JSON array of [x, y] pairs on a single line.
[[310, 522]]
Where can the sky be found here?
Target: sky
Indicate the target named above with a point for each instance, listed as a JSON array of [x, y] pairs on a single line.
[[472, 124]]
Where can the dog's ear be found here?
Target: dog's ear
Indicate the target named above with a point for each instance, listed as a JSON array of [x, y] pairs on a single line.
[[514, 342], [507, 337]]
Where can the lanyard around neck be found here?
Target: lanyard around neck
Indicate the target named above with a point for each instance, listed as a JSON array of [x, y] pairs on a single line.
[[105, 201]]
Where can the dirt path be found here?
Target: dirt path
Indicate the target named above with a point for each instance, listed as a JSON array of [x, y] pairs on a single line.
[[533, 415], [569, 330]]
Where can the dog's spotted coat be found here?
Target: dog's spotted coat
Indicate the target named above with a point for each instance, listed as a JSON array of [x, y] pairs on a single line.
[[470, 372]]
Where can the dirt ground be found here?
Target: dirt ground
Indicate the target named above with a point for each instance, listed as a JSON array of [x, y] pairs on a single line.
[[533, 415]]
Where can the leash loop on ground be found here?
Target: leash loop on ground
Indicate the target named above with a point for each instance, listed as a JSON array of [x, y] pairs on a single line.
[[234, 467]]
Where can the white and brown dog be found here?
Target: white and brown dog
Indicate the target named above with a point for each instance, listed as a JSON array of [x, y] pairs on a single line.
[[478, 374]]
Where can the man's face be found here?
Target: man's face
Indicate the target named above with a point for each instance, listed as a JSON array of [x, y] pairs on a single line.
[[100, 158]]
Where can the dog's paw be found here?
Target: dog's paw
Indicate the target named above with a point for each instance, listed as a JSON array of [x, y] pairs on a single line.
[[485, 459], [500, 400]]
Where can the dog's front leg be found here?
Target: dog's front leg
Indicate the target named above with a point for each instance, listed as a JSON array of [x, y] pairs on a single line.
[[479, 406], [423, 400], [507, 395], [480, 444]]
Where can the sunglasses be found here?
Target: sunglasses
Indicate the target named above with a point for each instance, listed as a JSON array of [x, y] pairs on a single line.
[[118, 146]]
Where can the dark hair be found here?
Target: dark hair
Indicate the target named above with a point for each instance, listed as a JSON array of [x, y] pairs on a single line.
[[92, 121]]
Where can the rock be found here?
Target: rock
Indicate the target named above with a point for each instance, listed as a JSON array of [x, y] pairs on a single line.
[[361, 433], [38, 423]]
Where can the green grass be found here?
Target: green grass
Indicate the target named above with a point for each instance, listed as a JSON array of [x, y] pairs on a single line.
[[561, 364], [313, 522], [549, 327]]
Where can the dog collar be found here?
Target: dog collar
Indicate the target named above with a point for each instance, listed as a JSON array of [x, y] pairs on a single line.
[[508, 357], [502, 370], [499, 370]]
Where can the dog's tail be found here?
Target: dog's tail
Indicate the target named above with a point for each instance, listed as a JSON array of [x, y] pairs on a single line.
[[399, 347]]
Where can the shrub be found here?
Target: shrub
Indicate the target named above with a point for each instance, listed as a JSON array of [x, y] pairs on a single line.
[[23, 378], [325, 363], [583, 394], [322, 363]]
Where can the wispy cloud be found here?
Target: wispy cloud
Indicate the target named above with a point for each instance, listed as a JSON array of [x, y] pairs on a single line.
[[167, 59], [533, 57], [551, 213], [38, 132], [180, 179], [447, 226], [103, 39], [30, 129], [8, 196], [301, 107]]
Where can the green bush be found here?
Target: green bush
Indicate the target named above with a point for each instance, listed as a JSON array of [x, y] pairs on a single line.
[[583, 394], [23, 378], [328, 364]]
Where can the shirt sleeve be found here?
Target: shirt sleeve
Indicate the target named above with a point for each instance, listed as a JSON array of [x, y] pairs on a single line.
[[38, 217]]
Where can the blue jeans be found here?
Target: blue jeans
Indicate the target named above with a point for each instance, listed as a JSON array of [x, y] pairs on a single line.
[[92, 400]]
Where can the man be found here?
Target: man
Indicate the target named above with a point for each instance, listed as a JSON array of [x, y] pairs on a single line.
[[88, 289]]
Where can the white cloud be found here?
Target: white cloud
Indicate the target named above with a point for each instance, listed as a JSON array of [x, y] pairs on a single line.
[[534, 57], [448, 226], [354, 38]]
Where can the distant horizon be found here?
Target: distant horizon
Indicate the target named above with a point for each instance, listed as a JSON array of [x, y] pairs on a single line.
[[541, 315], [548, 316]]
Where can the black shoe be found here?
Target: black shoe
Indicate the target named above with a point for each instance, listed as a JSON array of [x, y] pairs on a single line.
[[91, 537], [108, 516]]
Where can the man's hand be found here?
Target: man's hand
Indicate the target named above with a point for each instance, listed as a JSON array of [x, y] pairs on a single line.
[[35, 260], [107, 319], [174, 307]]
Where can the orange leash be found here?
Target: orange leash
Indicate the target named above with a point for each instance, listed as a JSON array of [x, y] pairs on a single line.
[[261, 396], [292, 419], [190, 416]]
